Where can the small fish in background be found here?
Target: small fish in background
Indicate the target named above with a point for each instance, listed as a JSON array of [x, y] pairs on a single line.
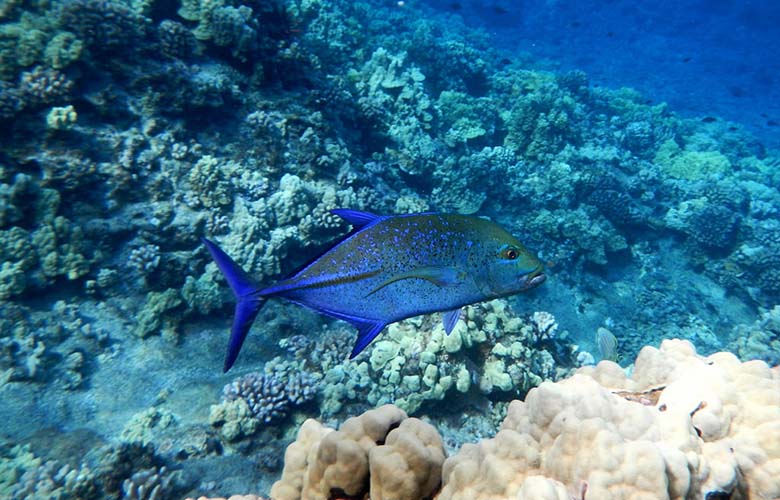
[[391, 268], [607, 344]]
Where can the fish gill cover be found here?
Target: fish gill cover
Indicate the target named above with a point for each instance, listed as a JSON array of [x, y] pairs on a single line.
[[131, 130]]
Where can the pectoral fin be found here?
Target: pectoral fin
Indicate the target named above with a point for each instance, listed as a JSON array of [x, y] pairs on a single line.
[[438, 275], [451, 319], [355, 217]]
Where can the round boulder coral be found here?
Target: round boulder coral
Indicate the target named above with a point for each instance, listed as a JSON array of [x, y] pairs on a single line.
[[715, 227]]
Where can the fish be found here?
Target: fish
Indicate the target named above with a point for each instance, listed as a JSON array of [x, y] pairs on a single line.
[[607, 344], [389, 268]]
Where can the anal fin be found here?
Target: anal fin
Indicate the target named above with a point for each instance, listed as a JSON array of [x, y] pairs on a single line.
[[367, 331], [451, 319]]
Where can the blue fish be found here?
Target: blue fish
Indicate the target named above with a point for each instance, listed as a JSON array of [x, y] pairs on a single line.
[[392, 268]]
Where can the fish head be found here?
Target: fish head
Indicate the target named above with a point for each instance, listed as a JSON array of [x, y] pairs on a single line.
[[513, 268]]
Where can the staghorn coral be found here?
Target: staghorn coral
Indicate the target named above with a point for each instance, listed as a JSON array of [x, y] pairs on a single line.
[[382, 452]]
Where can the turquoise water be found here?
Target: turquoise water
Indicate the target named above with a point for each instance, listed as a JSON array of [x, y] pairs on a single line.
[[633, 149]]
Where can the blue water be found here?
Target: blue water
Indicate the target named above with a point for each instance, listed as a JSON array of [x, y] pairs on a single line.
[[703, 58], [632, 146]]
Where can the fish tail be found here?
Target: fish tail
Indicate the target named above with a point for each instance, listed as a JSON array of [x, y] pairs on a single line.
[[249, 301]]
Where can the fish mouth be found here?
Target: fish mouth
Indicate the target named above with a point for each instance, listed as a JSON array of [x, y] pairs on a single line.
[[534, 279]]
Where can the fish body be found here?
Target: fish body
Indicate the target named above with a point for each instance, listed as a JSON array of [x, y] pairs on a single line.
[[391, 268], [607, 344]]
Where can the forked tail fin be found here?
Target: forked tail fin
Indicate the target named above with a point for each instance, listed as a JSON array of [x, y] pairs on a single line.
[[248, 300]]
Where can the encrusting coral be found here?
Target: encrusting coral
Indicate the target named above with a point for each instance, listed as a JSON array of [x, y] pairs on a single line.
[[681, 426]]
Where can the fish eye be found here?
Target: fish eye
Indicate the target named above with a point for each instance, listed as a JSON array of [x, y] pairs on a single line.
[[510, 253]]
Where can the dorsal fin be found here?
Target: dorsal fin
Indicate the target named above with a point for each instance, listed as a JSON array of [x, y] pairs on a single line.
[[355, 217]]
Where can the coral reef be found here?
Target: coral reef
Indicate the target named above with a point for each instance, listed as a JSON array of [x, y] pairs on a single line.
[[761, 340], [490, 351], [680, 426], [26, 476], [133, 128], [130, 472]]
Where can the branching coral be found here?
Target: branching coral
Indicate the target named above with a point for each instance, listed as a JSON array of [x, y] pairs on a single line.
[[272, 393], [260, 398], [25, 476]]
